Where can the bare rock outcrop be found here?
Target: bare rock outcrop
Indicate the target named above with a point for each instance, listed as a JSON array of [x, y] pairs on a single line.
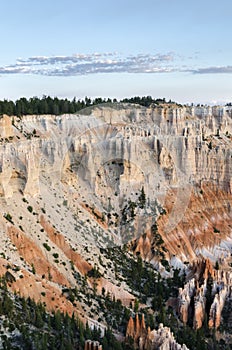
[[172, 140], [180, 155], [35, 257], [95, 166], [145, 339], [92, 345], [208, 287], [57, 238], [6, 129], [163, 339], [184, 299], [222, 290], [199, 308]]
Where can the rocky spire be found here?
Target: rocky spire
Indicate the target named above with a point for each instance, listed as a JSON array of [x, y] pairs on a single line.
[[130, 331]]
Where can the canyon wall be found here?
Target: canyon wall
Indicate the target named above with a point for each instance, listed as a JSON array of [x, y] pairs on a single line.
[[155, 147], [180, 156], [158, 179]]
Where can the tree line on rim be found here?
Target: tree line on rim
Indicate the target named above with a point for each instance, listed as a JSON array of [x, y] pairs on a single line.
[[56, 106]]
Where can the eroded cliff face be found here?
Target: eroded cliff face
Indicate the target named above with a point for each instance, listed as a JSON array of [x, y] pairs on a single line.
[[108, 155], [158, 179], [145, 338], [120, 149], [204, 296], [201, 227]]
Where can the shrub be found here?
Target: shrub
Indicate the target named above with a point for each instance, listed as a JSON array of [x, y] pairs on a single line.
[[33, 268], [8, 217], [216, 265], [46, 246], [95, 273], [30, 209]]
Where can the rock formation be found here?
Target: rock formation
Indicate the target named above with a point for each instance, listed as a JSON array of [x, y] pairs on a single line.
[[222, 289], [177, 153], [145, 339], [178, 138], [163, 339], [136, 328], [71, 185], [214, 284], [184, 299], [92, 345], [6, 129]]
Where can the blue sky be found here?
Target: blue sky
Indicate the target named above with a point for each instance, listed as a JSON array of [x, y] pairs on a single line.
[[165, 48]]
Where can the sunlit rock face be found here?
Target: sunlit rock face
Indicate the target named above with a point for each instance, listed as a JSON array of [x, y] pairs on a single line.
[[158, 179], [180, 156], [126, 143]]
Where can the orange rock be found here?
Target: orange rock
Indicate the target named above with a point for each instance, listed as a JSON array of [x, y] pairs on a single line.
[[82, 265], [196, 227], [130, 331], [143, 325], [34, 255]]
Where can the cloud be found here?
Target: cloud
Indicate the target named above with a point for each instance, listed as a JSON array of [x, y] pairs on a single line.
[[213, 70], [14, 70], [110, 62], [82, 64]]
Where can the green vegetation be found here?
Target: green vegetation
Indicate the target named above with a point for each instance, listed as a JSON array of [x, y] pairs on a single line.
[[33, 268], [49, 105], [150, 287], [46, 246], [65, 202], [141, 277], [216, 265], [146, 101], [37, 329], [94, 272], [142, 199], [30, 209], [26, 325], [8, 217]]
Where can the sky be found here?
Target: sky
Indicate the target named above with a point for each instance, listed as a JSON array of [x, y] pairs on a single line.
[[177, 49]]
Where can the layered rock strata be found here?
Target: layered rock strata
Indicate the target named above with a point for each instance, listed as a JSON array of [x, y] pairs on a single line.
[[84, 175]]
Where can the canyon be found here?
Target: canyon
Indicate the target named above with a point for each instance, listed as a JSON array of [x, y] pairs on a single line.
[[156, 180]]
